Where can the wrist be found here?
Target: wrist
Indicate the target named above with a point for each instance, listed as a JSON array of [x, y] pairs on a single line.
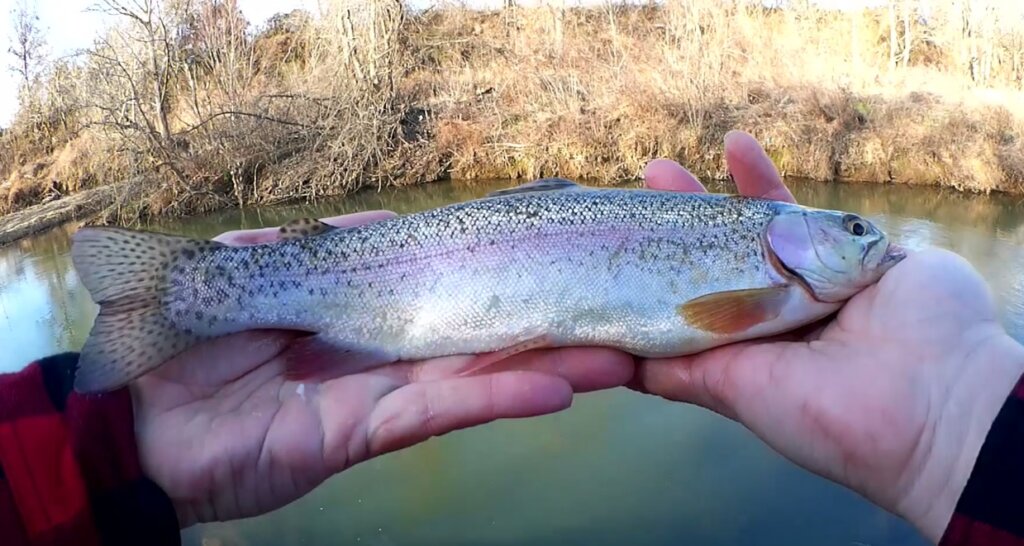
[[974, 386]]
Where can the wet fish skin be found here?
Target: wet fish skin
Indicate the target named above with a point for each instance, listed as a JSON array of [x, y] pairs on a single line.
[[550, 264]]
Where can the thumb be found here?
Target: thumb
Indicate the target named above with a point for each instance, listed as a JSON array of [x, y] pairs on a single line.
[[690, 380], [729, 380], [415, 412]]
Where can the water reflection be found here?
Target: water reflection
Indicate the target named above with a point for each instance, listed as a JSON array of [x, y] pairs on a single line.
[[43, 307], [618, 468]]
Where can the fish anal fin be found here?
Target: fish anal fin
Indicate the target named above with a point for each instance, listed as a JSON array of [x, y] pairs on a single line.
[[488, 361], [303, 227], [319, 357], [734, 311], [543, 184]]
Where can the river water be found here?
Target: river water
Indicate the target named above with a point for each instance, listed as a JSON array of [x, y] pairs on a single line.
[[617, 468]]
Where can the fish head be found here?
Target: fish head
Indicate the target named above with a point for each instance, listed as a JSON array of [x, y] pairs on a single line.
[[834, 254]]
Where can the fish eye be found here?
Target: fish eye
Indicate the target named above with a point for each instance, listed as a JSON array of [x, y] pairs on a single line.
[[855, 225]]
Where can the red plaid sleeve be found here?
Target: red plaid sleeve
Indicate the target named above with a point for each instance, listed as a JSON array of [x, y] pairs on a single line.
[[69, 469], [990, 510]]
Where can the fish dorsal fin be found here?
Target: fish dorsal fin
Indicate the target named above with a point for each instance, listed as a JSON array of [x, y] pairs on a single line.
[[303, 227], [543, 184], [734, 311]]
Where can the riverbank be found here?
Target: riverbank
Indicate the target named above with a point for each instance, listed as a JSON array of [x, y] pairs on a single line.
[[371, 95]]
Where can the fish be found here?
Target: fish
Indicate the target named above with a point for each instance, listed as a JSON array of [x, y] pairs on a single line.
[[550, 263]]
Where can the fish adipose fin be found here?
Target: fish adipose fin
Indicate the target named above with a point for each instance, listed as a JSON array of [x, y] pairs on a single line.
[[304, 227], [544, 184], [320, 357], [125, 272], [734, 311]]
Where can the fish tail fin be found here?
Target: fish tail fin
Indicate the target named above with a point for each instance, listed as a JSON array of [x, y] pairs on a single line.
[[125, 271]]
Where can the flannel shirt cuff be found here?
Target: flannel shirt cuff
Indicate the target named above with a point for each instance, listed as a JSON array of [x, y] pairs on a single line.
[[990, 510], [69, 467]]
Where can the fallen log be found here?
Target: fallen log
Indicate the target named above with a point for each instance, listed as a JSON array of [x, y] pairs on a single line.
[[37, 218]]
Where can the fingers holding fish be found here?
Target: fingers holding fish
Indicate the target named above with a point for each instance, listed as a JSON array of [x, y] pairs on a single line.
[[751, 168], [728, 380], [585, 368], [685, 380], [665, 174], [414, 413]]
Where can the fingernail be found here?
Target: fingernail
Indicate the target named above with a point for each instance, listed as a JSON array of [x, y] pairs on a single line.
[[732, 134]]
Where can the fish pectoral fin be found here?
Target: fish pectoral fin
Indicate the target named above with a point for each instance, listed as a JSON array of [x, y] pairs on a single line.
[[488, 361], [734, 311], [319, 357], [543, 184], [303, 227]]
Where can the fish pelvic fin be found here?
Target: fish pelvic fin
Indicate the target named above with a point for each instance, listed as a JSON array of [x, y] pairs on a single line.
[[734, 311], [126, 272], [490, 362]]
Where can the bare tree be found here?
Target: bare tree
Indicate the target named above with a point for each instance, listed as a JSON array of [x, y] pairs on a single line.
[[27, 42], [557, 10], [892, 34], [145, 56], [907, 13], [134, 67], [855, 38]]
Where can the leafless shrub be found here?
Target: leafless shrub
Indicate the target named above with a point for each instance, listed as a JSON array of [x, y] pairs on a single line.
[[200, 111]]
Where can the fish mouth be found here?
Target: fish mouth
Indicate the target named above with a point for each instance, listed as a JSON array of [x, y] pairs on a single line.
[[894, 254]]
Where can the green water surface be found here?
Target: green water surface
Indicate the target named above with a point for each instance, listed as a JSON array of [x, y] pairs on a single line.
[[617, 468]]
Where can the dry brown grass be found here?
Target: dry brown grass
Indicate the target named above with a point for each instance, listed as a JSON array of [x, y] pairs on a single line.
[[369, 94], [627, 85]]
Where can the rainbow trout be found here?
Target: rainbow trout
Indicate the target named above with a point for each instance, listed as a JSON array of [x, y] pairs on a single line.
[[547, 264]]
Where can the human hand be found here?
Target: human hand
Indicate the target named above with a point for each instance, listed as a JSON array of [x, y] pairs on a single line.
[[893, 397], [226, 436]]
